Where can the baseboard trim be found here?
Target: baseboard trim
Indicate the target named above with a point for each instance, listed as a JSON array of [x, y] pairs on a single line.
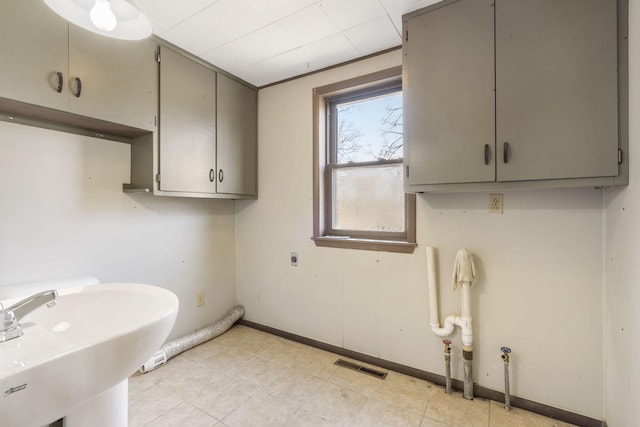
[[482, 392]]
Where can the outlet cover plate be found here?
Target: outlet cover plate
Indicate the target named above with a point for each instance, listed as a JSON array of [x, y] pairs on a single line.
[[495, 203]]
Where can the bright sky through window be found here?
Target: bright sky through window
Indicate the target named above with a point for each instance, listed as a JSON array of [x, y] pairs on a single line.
[[370, 129]]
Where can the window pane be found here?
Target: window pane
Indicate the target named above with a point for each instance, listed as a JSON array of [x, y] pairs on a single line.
[[369, 198], [369, 129]]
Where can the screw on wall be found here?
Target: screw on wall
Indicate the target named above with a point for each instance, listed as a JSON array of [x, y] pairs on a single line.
[[294, 259]]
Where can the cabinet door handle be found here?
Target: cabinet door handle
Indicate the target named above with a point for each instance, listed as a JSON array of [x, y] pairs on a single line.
[[212, 175], [220, 175], [487, 153], [505, 152], [78, 83], [60, 82]]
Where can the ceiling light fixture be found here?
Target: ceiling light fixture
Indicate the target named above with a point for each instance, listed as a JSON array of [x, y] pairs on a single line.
[[118, 19], [102, 16]]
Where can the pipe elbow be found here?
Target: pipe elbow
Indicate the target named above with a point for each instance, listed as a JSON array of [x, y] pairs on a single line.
[[441, 332], [449, 325]]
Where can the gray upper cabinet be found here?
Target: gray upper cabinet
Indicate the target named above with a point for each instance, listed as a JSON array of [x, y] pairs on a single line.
[[512, 91], [556, 89], [236, 137], [448, 94], [118, 79], [50, 63], [54, 74], [34, 50], [187, 137], [207, 136]]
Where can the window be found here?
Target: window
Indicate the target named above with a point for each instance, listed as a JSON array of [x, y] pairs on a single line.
[[359, 199]]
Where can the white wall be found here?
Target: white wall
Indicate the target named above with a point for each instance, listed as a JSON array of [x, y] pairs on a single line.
[[622, 259], [63, 213], [540, 288]]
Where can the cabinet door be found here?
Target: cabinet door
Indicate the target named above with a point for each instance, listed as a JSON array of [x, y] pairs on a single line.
[[118, 78], [448, 91], [33, 48], [556, 90], [187, 135], [236, 140]]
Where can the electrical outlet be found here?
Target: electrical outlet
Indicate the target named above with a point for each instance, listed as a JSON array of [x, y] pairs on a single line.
[[495, 203], [294, 259], [200, 299]]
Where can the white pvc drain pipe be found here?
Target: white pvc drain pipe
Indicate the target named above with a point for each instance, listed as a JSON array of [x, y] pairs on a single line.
[[463, 276]]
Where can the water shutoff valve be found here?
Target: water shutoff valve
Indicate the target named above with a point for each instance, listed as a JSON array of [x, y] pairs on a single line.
[[505, 354]]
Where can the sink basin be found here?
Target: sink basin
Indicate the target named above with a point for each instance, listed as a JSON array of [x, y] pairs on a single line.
[[92, 340]]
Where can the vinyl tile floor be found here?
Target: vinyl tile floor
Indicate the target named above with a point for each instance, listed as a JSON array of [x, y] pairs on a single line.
[[247, 378]]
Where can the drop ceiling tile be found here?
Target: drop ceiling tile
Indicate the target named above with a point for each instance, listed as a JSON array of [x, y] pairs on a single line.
[[263, 72], [274, 10], [406, 6], [220, 23], [185, 41], [164, 14], [348, 14], [396, 20], [374, 36], [317, 55], [390, 5], [308, 25], [228, 63], [320, 54], [397, 8], [264, 43]]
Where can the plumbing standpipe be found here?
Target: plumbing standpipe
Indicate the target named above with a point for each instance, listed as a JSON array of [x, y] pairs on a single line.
[[464, 273], [505, 358], [447, 363]]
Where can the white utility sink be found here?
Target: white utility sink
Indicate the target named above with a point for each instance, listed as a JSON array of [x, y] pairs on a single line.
[[69, 355]]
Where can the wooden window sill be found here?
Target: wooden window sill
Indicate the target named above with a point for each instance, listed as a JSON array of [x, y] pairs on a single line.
[[365, 244]]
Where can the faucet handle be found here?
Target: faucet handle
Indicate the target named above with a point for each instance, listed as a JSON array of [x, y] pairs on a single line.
[[8, 318]]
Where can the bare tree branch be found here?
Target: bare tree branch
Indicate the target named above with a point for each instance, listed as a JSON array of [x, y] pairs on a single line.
[[392, 134], [348, 138]]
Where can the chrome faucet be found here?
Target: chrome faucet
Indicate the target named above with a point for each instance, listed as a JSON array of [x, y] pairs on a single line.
[[11, 316]]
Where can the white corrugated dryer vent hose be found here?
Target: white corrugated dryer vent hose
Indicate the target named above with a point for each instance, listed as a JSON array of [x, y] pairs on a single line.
[[177, 346]]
